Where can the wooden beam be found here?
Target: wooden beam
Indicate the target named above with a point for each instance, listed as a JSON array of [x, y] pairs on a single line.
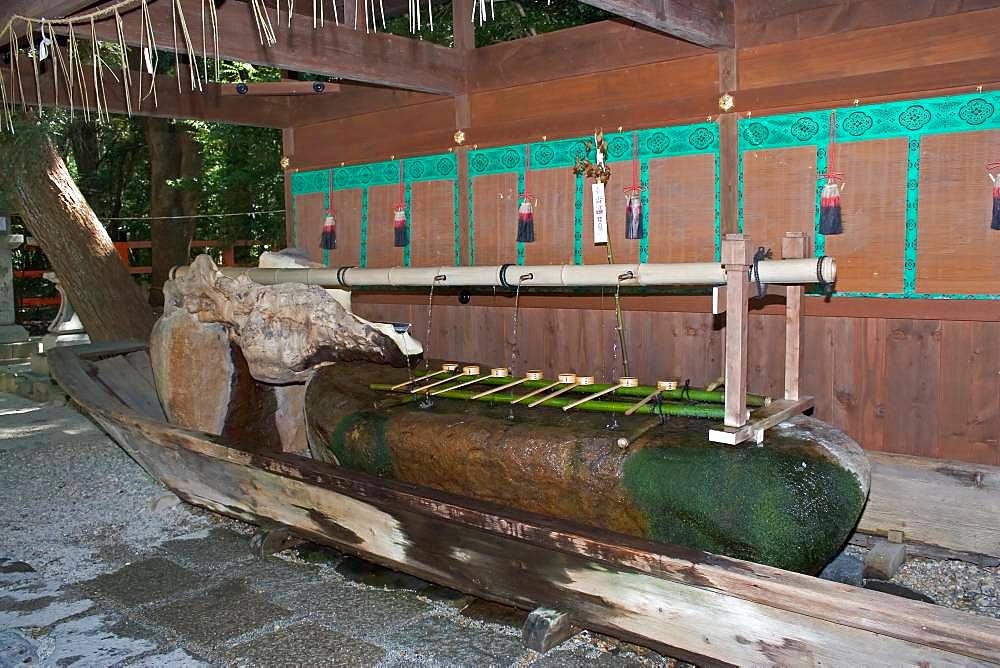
[[334, 51], [702, 22], [207, 105], [280, 88], [586, 49], [39, 8], [763, 418], [935, 502]]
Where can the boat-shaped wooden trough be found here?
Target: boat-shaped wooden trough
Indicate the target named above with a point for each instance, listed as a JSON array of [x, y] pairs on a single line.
[[681, 601]]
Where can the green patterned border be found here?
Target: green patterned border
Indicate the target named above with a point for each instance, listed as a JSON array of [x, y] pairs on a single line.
[[668, 142], [439, 167], [912, 119]]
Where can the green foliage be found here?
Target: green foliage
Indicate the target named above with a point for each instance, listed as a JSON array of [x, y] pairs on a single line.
[[505, 21]]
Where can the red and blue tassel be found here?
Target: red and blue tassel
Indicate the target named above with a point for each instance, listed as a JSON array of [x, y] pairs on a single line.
[[329, 238], [993, 169]]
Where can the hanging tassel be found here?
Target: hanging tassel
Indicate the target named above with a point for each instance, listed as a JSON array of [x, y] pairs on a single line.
[[633, 213], [526, 210], [526, 220], [400, 238], [633, 196], [830, 220], [329, 239], [993, 170]]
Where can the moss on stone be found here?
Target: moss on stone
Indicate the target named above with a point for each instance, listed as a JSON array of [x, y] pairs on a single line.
[[736, 501], [359, 442]]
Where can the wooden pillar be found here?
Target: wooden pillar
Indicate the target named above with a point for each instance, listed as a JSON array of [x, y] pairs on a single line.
[[287, 152], [794, 245], [736, 258], [465, 42], [729, 155]]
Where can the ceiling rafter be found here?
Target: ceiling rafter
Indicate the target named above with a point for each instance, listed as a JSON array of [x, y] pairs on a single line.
[[708, 23], [340, 52]]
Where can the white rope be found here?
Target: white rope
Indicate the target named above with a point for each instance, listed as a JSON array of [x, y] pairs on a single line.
[[199, 215]]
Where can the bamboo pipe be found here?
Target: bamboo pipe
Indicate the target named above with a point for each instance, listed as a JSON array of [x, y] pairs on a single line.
[[642, 391], [802, 271], [661, 386], [683, 410]]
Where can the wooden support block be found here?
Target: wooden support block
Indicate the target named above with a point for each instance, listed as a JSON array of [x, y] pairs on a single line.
[[267, 541], [545, 628], [883, 560], [794, 246], [761, 419], [736, 256], [894, 536]]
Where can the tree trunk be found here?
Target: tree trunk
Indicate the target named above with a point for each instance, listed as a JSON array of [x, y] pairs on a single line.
[[174, 156], [108, 301]]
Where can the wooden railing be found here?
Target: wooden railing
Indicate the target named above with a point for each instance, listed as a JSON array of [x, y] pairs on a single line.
[[124, 248]]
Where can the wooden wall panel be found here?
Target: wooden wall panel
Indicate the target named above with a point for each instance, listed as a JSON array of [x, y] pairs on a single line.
[[969, 413], [309, 213], [625, 250], [957, 252], [381, 252], [779, 194], [681, 216], [420, 129], [556, 192], [432, 223], [766, 21], [870, 251], [347, 208], [494, 218], [919, 387]]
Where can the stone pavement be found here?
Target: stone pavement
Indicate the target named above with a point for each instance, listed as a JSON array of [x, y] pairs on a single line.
[[96, 570]]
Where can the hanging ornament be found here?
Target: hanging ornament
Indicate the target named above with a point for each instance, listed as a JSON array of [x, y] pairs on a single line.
[[993, 171], [830, 220], [633, 196], [400, 238], [328, 241], [526, 209]]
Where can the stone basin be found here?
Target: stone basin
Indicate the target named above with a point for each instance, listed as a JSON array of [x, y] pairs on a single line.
[[790, 503]]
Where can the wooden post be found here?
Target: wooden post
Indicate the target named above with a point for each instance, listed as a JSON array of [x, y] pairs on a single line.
[[288, 151], [736, 256], [729, 156], [229, 256], [794, 245], [465, 42]]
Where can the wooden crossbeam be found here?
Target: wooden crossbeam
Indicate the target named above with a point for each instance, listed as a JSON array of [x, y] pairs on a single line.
[[703, 22], [334, 51], [763, 418], [207, 105]]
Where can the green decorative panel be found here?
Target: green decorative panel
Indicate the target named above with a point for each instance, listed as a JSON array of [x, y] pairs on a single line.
[[910, 119], [654, 143], [440, 167]]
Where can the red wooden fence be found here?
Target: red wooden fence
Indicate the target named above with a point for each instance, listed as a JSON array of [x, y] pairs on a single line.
[[123, 248]]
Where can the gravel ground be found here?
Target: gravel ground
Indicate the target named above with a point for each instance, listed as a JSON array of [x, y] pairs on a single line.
[[956, 584]]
